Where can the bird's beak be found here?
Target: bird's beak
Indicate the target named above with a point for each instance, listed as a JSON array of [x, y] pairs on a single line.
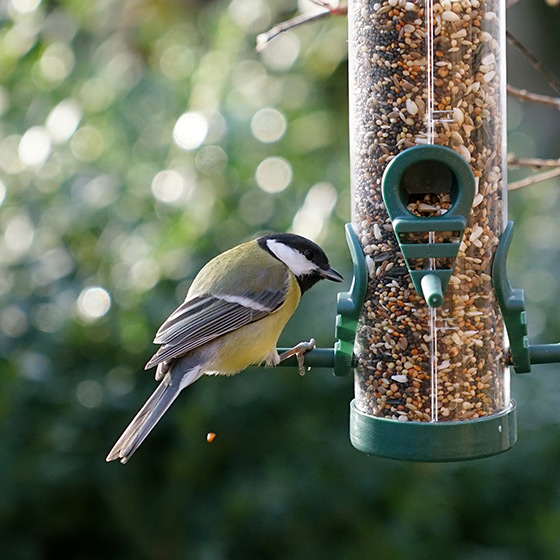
[[331, 274]]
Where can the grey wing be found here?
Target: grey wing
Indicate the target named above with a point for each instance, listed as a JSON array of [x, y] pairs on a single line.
[[203, 318]]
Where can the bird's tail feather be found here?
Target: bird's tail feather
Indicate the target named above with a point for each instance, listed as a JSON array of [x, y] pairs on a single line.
[[152, 411]]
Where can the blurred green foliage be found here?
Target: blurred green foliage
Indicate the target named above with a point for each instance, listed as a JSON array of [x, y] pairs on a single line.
[[138, 139]]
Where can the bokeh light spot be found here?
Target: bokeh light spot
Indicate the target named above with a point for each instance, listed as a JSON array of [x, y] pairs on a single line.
[[168, 186], [190, 131], [268, 125], [20, 38], [217, 128], [9, 158], [96, 192], [312, 216], [89, 393], [274, 174], [251, 15], [57, 62], [256, 208], [25, 6], [52, 266], [19, 234], [211, 159], [48, 317], [177, 62], [34, 147], [95, 95], [87, 144], [281, 53], [13, 321], [63, 120], [144, 274], [93, 303], [35, 366]]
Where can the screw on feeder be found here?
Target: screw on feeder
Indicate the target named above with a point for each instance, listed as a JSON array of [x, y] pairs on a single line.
[[414, 134], [456, 403]]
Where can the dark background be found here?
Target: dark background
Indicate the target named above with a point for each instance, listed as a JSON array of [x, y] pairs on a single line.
[[94, 254]]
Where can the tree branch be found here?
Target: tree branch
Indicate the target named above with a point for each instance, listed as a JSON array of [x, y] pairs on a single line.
[[514, 161], [525, 95], [539, 177], [535, 63], [264, 38]]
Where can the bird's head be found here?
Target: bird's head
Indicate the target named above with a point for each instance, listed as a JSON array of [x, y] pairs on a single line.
[[306, 260]]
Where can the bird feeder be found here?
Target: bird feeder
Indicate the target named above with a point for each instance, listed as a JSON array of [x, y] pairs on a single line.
[[431, 326], [428, 160]]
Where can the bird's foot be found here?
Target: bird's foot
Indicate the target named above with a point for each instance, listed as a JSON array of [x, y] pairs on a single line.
[[299, 351]]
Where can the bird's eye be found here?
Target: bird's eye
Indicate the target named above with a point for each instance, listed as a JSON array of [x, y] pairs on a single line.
[[308, 254]]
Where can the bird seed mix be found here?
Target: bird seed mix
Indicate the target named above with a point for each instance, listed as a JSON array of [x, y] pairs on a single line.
[[428, 72]]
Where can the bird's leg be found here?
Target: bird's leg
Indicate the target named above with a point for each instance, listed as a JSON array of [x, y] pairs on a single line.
[[298, 351]]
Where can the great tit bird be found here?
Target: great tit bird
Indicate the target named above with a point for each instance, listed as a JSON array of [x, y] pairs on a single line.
[[231, 318]]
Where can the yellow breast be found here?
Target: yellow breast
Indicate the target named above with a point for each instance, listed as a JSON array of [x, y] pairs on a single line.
[[252, 344]]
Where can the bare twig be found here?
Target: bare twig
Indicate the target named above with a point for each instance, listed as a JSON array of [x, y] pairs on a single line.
[[548, 76], [335, 8], [539, 177], [264, 38], [525, 95], [514, 161]]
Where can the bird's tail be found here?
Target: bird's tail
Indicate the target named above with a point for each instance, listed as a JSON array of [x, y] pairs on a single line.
[[152, 411]]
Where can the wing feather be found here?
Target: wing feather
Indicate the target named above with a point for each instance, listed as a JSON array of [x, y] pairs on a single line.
[[204, 317]]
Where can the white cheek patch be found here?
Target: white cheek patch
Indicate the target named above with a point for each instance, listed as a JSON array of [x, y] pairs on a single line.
[[294, 260]]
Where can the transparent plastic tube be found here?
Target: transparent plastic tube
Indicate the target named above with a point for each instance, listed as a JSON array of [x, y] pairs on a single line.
[[429, 72]]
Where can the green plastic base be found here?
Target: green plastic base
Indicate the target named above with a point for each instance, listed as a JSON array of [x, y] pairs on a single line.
[[433, 442]]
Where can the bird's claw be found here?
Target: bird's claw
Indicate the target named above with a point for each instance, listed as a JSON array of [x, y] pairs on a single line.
[[299, 351]]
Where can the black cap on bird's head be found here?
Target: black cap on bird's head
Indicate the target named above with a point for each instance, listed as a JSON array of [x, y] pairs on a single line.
[[305, 259]]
